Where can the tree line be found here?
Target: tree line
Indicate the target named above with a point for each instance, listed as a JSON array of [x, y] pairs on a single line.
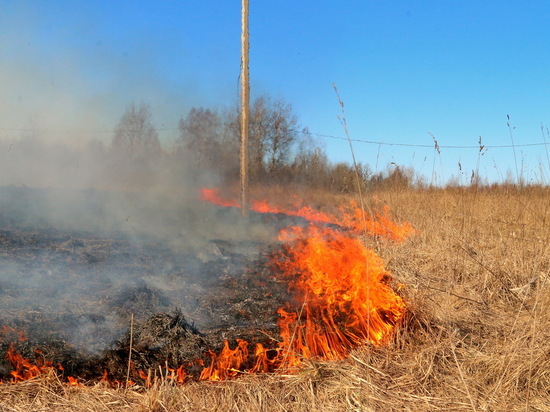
[[281, 150]]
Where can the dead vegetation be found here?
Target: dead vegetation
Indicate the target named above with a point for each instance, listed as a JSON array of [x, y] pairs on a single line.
[[477, 338]]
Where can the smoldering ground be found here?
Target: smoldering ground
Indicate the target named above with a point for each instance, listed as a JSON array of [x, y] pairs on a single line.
[[89, 238]]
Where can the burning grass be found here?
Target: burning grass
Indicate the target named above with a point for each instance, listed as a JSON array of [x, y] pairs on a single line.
[[340, 293], [476, 336]]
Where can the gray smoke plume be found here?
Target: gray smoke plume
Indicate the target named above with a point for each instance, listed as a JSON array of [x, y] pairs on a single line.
[[89, 237]]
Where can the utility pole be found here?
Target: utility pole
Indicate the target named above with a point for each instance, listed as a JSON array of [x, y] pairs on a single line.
[[245, 109]]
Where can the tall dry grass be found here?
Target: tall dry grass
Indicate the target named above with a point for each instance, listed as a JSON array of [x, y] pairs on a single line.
[[476, 277]]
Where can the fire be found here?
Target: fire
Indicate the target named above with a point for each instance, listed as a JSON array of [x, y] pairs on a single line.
[[341, 294], [350, 217], [9, 334], [341, 298], [228, 363], [213, 196], [178, 375], [261, 206], [73, 381], [24, 369]]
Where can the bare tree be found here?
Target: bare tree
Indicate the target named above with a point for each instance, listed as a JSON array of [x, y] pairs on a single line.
[[259, 115], [273, 132], [282, 132], [135, 134], [208, 141], [199, 135]]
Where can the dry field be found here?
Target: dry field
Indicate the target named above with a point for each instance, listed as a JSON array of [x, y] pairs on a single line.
[[477, 338]]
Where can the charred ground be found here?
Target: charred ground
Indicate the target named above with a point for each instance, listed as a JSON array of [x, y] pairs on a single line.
[[72, 292]]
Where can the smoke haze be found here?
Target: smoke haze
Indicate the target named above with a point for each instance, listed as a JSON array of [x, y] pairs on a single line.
[[87, 235]]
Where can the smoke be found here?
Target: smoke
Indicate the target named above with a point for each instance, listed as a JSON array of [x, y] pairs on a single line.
[[89, 236], [67, 78]]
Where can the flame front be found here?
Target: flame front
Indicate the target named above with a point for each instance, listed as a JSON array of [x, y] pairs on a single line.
[[350, 217], [341, 296]]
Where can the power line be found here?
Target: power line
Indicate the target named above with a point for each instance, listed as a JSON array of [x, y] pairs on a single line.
[[329, 136], [430, 145]]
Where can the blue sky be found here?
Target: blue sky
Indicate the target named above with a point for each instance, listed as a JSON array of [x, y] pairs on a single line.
[[405, 70]]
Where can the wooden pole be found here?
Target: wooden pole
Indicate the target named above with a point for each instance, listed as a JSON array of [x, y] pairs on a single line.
[[245, 109]]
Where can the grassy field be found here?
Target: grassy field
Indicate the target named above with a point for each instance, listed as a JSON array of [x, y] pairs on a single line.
[[477, 337]]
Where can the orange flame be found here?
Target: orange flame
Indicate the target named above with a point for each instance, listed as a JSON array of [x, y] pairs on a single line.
[[73, 381], [341, 297], [340, 288], [341, 300], [178, 375], [105, 376], [375, 223], [261, 206], [227, 364], [213, 196], [7, 334], [24, 369]]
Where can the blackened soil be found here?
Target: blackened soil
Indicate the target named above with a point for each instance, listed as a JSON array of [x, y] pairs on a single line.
[[72, 295]]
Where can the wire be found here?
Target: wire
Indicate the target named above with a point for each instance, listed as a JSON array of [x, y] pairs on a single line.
[[329, 136], [430, 145]]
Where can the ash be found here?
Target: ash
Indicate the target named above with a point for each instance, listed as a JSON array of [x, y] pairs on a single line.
[[72, 274]]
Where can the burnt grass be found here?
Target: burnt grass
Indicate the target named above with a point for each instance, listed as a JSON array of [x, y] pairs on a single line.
[[69, 295]]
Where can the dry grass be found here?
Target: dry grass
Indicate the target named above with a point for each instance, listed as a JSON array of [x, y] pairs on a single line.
[[477, 276]]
